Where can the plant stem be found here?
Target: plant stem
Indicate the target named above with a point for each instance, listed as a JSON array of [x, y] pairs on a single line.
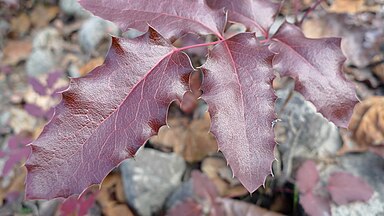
[[207, 44], [198, 45], [313, 7]]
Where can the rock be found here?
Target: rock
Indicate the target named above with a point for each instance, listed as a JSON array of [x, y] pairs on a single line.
[[47, 49], [302, 132], [73, 8], [40, 62], [366, 165], [182, 193], [150, 178], [93, 31], [375, 206], [48, 38], [48, 207]]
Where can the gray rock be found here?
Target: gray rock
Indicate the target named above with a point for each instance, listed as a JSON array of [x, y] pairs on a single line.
[[366, 166], [302, 132], [183, 192], [47, 50], [41, 61], [150, 178], [48, 38], [374, 207], [93, 31], [48, 207], [72, 7]]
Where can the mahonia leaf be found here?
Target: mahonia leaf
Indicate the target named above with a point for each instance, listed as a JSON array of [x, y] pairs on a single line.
[[106, 116], [316, 65], [257, 15], [307, 176], [315, 205], [345, 188], [237, 88], [171, 18]]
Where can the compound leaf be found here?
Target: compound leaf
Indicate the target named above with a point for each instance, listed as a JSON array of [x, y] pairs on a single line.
[[106, 116]]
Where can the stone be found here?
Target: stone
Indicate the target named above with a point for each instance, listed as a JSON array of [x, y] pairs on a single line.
[[149, 178], [93, 31], [41, 61], [73, 8], [374, 206], [301, 131]]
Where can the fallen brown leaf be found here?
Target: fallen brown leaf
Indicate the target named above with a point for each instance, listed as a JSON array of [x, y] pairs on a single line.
[[351, 6], [367, 122], [41, 15], [191, 139], [16, 51], [366, 127], [111, 196], [89, 66], [20, 24], [221, 175]]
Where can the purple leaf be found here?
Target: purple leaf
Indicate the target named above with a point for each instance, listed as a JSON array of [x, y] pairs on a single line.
[[307, 176], [345, 188], [316, 65], [171, 18], [106, 116], [34, 110], [237, 88], [78, 206], [16, 152], [257, 15], [37, 86], [53, 77], [315, 205], [187, 208], [204, 198]]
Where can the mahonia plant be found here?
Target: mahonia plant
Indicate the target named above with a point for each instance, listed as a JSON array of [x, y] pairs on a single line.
[[106, 116]]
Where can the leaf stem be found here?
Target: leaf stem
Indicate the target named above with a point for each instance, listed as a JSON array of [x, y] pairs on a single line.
[[313, 7], [207, 44], [198, 45]]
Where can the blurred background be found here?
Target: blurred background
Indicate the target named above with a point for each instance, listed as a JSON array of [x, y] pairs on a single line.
[[320, 169]]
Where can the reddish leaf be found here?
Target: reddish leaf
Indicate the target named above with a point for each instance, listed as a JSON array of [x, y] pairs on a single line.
[[37, 86], [257, 15], [186, 208], [316, 66], [307, 176], [16, 152], [203, 200], [315, 205], [53, 77], [106, 116], [345, 188], [78, 206], [34, 110], [171, 18], [237, 88]]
